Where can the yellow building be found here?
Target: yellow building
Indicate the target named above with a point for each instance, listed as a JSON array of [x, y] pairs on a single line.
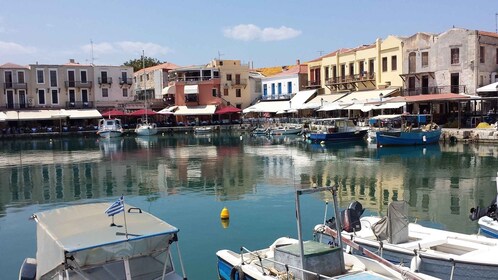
[[234, 82]]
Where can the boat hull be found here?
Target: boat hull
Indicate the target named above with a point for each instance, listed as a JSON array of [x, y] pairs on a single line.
[[146, 130], [489, 226], [403, 138], [338, 136], [288, 131], [110, 133]]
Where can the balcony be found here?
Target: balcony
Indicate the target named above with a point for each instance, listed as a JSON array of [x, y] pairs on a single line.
[[239, 82], [79, 105], [350, 81], [11, 85], [433, 90], [314, 84], [78, 84], [125, 81], [104, 81]]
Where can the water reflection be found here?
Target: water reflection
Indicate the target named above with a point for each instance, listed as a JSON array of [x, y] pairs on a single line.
[[440, 182]]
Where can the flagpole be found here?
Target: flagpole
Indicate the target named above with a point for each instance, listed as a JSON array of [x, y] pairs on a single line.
[[124, 215]]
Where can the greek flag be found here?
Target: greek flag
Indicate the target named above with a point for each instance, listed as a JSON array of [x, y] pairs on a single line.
[[115, 208]]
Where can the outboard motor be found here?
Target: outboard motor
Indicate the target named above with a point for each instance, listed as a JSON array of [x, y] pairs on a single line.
[[350, 218], [477, 212]]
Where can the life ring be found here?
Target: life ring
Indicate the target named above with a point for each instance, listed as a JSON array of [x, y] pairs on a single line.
[[237, 270]]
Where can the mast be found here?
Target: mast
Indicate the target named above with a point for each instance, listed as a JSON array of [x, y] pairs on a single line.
[[145, 89]]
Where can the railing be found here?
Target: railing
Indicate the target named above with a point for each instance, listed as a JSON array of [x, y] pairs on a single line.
[[79, 104], [107, 80], [78, 84], [16, 105], [313, 84], [15, 85], [433, 90], [125, 81], [277, 96], [188, 79], [240, 82], [365, 76]]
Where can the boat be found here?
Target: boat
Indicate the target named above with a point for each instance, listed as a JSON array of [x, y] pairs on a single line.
[[109, 128], [286, 130], [487, 217], [335, 129], [382, 123], [260, 131], [289, 258], [203, 129], [82, 242], [144, 127], [415, 130], [434, 252]]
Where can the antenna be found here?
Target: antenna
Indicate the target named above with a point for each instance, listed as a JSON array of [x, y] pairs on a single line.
[[320, 52], [496, 22], [219, 55], [91, 43]]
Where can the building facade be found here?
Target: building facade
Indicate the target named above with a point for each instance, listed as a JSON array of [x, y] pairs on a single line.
[[14, 81], [286, 84], [155, 80]]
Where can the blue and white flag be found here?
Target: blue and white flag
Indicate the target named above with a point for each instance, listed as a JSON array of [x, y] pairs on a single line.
[[115, 208]]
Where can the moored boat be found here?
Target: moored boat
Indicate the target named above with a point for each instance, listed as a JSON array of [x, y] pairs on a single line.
[[146, 129], [109, 128], [487, 217], [286, 130], [415, 130], [335, 129], [82, 242], [203, 129]]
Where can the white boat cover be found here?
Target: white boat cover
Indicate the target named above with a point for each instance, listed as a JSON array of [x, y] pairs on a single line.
[[84, 232]]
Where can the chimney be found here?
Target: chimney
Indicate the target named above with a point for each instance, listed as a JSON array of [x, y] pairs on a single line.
[[71, 60], [298, 62]]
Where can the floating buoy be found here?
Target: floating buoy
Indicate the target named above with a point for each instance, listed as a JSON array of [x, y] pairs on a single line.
[[240, 137], [225, 223], [322, 143], [224, 214]]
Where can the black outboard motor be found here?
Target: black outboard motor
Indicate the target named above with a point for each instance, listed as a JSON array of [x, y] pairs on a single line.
[[476, 212], [350, 218]]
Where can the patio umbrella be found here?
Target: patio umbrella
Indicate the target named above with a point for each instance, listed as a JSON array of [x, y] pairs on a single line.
[[143, 112], [113, 113]]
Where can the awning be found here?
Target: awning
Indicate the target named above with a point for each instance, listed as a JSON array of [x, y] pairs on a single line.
[[191, 89], [300, 98], [321, 100], [3, 116], [169, 90], [195, 110], [268, 107], [356, 106], [168, 111], [84, 114], [488, 88], [430, 97], [332, 106], [227, 110], [390, 105], [366, 96], [33, 115]]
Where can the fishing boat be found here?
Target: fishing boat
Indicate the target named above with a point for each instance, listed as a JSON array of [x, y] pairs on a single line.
[[203, 130], [82, 242], [335, 129], [382, 123], [415, 130], [144, 127], [286, 130], [487, 217], [438, 253], [109, 128], [289, 258]]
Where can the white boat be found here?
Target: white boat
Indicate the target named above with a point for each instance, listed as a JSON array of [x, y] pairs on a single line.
[[79, 242], [260, 131], [203, 129], [145, 128], [286, 129], [487, 217], [438, 253], [289, 258], [109, 128]]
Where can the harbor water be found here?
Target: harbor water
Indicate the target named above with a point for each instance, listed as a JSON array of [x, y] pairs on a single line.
[[187, 179]]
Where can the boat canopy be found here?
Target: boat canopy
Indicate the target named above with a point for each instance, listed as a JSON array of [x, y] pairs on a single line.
[[83, 232]]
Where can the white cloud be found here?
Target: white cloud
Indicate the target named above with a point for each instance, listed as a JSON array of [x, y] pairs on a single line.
[[10, 48], [250, 32], [127, 47]]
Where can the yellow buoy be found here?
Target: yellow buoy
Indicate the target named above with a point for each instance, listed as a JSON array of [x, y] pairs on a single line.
[[225, 223], [224, 213]]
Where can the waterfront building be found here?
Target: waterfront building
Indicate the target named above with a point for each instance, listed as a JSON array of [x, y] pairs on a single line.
[[14, 85], [286, 84], [113, 87], [234, 79]]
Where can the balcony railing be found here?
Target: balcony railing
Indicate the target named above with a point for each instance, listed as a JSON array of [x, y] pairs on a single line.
[[125, 81], [239, 82], [78, 84], [314, 84], [79, 105], [104, 81], [433, 90], [365, 76], [15, 85]]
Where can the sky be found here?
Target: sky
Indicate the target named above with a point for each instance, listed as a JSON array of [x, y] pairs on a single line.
[[263, 33]]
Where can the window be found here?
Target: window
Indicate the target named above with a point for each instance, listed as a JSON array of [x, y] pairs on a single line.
[[384, 64], [105, 92], [147, 77], [238, 92], [20, 77], [455, 55], [279, 88], [214, 92], [40, 78], [351, 69], [53, 78], [72, 97], [481, 54], [225, 92], [103, 74], [273, 89], [237, 79], [125, 92], [229, 77], [394, 63], [55, 96], [425, 59], [41, 96], [289, 87], [239, 106], [84, 97], [265, 90], [497, 56]]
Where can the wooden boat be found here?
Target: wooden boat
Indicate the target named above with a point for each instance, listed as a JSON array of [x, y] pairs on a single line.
[[109, 128], [286, 130], [438, 253], [335, 129], [289, 258], [80, 242], [415, 130]]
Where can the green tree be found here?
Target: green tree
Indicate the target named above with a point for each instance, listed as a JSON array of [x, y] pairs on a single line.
[[137, 64]]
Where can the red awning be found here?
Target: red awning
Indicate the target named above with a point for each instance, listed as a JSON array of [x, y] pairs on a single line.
[[227, 110], [143, 112], [113, 113]]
